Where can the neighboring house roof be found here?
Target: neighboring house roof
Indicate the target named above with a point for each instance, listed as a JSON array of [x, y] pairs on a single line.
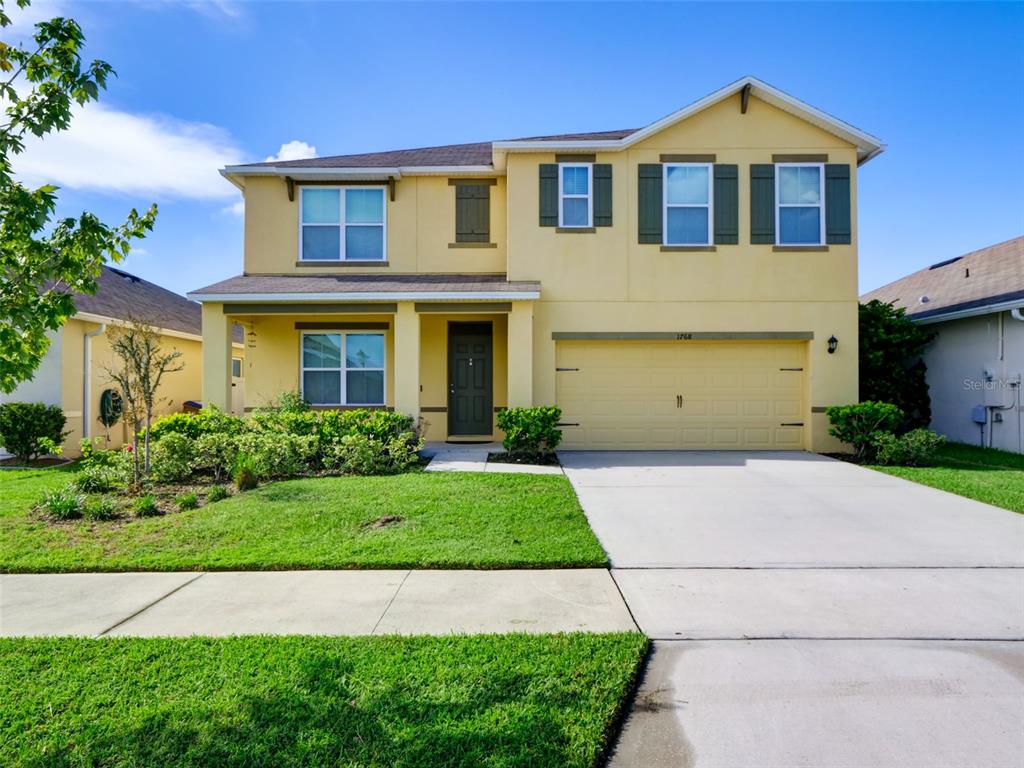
[[123, 296], [489, 156], [987, 280], [367, 288]]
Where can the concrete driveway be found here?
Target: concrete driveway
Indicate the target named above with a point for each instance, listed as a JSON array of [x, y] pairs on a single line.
[[808, 612]]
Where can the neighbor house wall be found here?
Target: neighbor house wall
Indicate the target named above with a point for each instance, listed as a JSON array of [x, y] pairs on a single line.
[[606, 281], [957, 363]]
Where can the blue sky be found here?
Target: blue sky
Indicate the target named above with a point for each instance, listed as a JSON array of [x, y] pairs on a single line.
[[201, 84]]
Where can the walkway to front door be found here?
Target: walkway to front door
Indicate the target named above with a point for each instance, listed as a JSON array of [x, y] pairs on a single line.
[[806, 611]]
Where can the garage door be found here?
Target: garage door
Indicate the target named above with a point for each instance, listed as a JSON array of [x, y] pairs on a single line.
[[715, 395]]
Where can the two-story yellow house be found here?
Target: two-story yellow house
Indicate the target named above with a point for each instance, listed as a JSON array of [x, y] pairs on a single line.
[[690, 284]]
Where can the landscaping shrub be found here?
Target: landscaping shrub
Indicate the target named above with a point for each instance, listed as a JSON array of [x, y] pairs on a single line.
[[284, 422], [914, 449], [99, 508], [173, 455], [531, 431], [145, 506], [214, 453], [891, 367], [360, 454], [272, 455], [860, 425], [103, 471], [216, 493], [193, 425], [30, 429], [187, 501], [64, 503], [245, 475]]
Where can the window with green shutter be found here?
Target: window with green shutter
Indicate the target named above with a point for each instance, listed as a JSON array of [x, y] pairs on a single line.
[[727, 204], [602, 195], [762, 204], [837, 205], [549, 194], [472, 213]]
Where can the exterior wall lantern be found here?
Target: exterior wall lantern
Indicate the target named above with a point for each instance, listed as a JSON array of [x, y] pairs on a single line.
[[250, 339], [833, 342]]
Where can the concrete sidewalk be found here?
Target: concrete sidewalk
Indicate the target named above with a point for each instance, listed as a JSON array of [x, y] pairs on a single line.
[[311, 602]]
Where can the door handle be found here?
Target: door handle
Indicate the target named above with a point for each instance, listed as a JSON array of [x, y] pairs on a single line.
[[679, 401]]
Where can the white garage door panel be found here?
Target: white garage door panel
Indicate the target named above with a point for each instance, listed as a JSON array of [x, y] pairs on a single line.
[[736, 395]]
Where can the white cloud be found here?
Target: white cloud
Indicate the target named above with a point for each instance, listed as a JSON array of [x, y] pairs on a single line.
[[23, 20], [237, 208], [112, 151], [293, 150]]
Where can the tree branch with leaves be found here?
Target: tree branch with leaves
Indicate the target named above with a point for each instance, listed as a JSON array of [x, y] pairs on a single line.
[[44, 263], [142, 365]]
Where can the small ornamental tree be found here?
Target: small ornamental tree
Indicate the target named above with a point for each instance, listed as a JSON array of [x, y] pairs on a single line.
[[142, 364], [43, 263], [891, 368]]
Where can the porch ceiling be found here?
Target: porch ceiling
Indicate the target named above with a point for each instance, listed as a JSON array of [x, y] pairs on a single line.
[[357, 288]]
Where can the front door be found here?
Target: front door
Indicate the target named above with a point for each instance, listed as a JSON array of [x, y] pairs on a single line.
[[470, 379]]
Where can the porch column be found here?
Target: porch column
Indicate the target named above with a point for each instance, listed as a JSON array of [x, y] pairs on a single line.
[[407, 359], [520, 355], [216, 357]]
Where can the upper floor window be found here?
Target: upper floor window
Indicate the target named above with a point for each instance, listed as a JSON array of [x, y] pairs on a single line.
[[575, 201], [800, 203], [687, 195], [342, 224]]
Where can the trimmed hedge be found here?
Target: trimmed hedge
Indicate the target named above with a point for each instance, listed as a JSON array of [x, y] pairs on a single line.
[[30, 429], [531, 431]]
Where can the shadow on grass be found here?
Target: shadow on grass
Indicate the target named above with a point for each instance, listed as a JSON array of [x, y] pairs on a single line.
[[325, 711]]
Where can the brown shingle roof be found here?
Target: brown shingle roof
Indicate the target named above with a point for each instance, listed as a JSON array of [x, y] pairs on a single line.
[[977, 279], [271, 284], [478, 153], [123, 296]]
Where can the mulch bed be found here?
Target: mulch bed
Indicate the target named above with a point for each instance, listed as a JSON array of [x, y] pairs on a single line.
[[40, 463], [542, 460]]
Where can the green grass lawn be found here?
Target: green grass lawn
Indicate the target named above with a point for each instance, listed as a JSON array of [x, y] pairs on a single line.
[[449, 520], [486, 700], [994, 477]]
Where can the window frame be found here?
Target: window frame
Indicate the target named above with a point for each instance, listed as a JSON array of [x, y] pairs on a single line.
[[710, 205], [342, 224], [241, 367], [344, 369], [589, 196], [779, 205]]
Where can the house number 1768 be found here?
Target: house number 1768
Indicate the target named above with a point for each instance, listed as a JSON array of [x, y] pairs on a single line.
[[684, 336]]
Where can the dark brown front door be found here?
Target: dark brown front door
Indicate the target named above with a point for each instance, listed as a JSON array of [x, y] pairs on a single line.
[[470, 378]]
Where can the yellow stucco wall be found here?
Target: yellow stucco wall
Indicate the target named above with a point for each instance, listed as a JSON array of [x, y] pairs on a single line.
[[174, 390], [600, 281], [607, 281], [420, 225]]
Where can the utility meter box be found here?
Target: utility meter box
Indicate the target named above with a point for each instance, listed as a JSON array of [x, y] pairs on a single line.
[[979, 414]]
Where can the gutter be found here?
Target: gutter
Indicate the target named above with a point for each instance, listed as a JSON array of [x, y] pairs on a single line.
[[361, 296], [1012, 305], [87, 378]]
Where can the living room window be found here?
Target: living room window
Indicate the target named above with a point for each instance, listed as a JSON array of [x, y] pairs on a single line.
[[575, 201], [343, 368], [687, 195], [799, 210], [342, 224]]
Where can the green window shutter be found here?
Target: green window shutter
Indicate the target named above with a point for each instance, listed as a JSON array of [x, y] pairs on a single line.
[[762, 204], [649, 203], [549, 194], [727, 204], [602, 195], [472, 213], [837, 204]]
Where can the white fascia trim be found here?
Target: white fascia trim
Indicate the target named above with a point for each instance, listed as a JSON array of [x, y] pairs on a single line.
[[300, 174], [358, 296], [867, 145], [988, 309], [89, 317]]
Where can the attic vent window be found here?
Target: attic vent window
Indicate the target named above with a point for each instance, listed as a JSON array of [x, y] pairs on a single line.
[[945, 263]]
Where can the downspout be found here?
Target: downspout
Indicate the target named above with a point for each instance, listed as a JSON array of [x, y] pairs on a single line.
[[87, 378], [1017, 314]]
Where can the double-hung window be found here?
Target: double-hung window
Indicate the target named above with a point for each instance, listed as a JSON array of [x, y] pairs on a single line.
[[575, 198], [342, 224], [343, 368], [800, 203], [688, 201]]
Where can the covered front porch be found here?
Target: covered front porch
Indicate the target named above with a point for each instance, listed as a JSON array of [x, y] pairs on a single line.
[[453, 359]]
